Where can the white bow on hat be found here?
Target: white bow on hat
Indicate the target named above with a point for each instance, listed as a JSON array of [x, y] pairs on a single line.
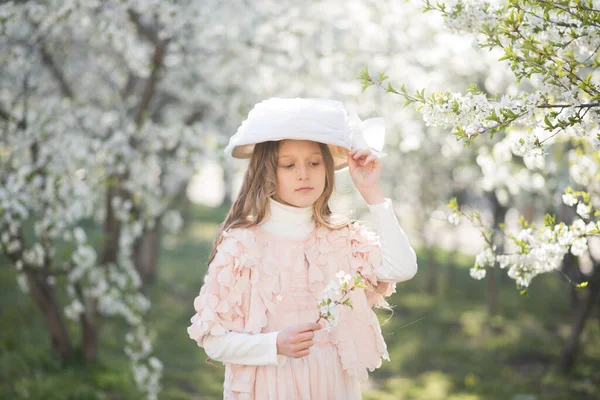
[[367, 134], [317, 119]]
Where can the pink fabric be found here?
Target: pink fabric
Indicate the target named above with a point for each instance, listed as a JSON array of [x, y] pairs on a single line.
[[259, 282]]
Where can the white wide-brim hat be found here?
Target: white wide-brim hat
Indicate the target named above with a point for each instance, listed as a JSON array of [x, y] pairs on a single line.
[[316, 119]]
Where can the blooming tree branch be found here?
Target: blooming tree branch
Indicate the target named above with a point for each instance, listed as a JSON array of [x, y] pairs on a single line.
[[551, 48]]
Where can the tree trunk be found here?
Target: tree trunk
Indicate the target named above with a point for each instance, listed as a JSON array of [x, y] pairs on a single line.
[[89, 336], [499, 212], [582, 314], [43, 295], [492, 291], [90, 321], [146, 254], [185, 209]]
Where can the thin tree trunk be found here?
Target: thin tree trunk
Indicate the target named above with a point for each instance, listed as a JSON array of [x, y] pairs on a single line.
[[492, 291], [89, 333], [571, 347], [146, 255], [90, 321], [89, 337], [43, 295], [146, 249], [499, 212]]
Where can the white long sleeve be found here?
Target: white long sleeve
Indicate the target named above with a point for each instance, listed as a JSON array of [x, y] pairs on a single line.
[[243, 348], [399, 264], [399, 259]]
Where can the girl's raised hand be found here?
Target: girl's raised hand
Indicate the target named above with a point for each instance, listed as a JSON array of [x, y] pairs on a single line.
[[365, 169], [296, 341]]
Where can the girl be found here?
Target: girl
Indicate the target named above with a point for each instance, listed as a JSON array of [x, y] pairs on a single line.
[[279, 247]]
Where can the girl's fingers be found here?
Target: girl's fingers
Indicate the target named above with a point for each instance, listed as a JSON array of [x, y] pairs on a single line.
[[305, 336], [361, 153], [303, 345], [351, 161], [303, 353], [372, 157], [302, 337], [308, 327]]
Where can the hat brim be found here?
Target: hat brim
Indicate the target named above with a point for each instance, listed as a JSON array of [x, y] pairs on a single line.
[[339, 154]]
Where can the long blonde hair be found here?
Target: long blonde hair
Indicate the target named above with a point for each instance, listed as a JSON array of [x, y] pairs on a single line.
[[260, 182]]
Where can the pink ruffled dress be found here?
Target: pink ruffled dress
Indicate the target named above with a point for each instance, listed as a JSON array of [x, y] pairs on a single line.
[[260, 282]]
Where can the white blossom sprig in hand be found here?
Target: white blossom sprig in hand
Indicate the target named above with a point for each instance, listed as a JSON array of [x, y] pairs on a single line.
[[336, 293]]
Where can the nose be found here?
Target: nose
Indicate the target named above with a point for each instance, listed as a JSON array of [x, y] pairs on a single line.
[[302, 172]]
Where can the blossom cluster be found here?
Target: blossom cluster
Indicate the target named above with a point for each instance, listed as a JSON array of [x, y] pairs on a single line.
[[540, 251], [335, 294], [467, 16], [147, 369]]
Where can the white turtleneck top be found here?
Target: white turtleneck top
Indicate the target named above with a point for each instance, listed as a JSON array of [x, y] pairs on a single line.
[[399, 264]]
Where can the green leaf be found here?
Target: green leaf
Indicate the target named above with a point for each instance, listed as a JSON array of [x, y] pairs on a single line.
[[382, 77], [390, 89], [549, 220], [523, 222], [453, 204]]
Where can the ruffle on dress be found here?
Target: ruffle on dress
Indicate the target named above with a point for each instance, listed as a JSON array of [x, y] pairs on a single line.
[[231, 298], [366, 249]]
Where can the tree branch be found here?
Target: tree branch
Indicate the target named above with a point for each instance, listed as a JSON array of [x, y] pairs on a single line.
[[56, 72], [587, 105]]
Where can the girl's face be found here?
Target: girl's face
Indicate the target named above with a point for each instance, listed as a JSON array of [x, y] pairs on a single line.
[[300, 173]]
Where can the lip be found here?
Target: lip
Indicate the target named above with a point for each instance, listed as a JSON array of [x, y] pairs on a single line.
[[304, 190]]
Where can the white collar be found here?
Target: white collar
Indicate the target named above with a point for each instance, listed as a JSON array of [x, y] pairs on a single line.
[[282, 213], [288, 221]]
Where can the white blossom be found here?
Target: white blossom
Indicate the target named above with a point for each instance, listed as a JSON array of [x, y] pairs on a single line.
[[477, 273], [22, 282], [79, 234], [172, 221], [569, 199], [486, 258], [579, 246], [74, 310], [583, 210], [454, 219]]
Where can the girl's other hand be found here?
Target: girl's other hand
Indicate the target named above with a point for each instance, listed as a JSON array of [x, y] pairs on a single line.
[[296, 341], [365, 169]]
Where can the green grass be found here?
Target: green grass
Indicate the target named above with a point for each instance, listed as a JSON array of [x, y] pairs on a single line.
[[455, 352]]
